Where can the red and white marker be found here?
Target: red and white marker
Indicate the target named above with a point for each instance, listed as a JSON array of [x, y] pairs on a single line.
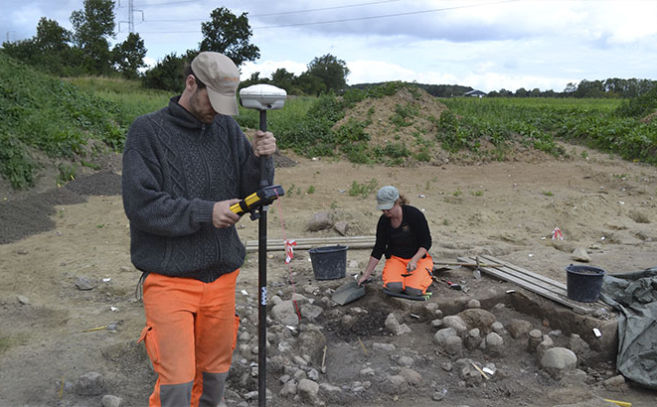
[[289, 251], [556, 234]]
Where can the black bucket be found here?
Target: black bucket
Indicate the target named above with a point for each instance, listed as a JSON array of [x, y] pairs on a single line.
[[584, 283], [329, 262]]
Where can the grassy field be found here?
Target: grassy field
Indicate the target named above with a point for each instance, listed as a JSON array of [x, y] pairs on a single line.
[[541, 121], [76, 119]]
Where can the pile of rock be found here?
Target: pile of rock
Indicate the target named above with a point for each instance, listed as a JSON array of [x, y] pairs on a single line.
[[296, 353]]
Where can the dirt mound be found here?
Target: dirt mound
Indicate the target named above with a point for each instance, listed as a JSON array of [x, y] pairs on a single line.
[[408, 120], [409, 116]]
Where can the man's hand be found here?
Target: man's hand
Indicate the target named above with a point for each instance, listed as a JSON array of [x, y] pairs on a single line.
[[222, 216], [264, 144]]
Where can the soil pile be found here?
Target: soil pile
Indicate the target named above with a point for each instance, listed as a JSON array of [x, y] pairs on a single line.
[[404, 117]]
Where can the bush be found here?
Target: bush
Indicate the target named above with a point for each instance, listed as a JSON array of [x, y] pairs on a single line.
[[640, 106]]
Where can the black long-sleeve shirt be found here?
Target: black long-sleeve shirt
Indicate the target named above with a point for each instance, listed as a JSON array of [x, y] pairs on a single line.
[[405, 240]]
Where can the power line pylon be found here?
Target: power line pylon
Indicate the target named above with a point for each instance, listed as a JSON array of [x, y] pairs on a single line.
[[131, 16]]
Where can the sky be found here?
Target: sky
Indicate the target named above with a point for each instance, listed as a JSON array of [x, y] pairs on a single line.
[[485, 44]]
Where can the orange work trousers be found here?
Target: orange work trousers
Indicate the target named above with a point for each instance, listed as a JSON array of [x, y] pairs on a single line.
[[395, 273], [190, 335]]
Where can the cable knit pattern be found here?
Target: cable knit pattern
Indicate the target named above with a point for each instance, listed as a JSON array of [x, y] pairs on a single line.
[[174, 170]]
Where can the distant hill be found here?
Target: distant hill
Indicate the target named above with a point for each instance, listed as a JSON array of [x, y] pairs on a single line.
[[440, 91]]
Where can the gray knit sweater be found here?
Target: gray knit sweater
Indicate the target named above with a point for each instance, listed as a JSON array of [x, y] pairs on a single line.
[[174, 170]]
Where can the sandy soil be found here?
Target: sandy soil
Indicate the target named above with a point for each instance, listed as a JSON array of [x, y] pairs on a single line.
[[53, 329], [508, 210]]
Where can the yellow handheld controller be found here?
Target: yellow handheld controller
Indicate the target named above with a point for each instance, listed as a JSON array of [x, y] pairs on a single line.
[[254, 201]]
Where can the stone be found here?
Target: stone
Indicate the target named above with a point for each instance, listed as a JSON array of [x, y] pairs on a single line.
[[313, 375], [320, 221], [90, 384], [518, 328], [555, 333], [111, 401], [473, 304], [284, 379], [579, 346], [308, 388], [85, 283], [396, 384], [285, 313], [312, 341], [473, 339], [289, 389], [406, 361], [494, 344], [329, 388], [437, 323], [580, 254], [478, 318], [23, 299], [341, 227], [299, 361], [534, 339], [441, 336], [454, 346], [438, 395], [412, 377], [542, 347], [497, 327], [576, 377], [468, 373], [557, 361], [615, 383], [385, 347], [456, 322], [368, 371], [395, 327], [310, 311]]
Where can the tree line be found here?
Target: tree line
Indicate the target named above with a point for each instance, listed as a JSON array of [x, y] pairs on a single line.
[[607, 88], [86, 51], [83, 51]]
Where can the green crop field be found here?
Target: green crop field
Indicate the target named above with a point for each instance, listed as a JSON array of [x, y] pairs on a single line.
[[74, 121], [598, 123]]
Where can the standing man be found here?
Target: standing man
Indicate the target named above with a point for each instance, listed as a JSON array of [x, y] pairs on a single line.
[[183, 167]]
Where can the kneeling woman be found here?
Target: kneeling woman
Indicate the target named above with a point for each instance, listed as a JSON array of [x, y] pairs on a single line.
[[403, 236]]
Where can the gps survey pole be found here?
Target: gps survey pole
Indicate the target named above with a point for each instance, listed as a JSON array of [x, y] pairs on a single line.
[[262, 98]]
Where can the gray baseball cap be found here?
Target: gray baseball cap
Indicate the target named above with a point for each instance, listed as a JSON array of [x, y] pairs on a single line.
[[386, 198]]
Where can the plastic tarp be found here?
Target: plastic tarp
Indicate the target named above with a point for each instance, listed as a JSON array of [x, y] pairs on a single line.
[[634, 295]]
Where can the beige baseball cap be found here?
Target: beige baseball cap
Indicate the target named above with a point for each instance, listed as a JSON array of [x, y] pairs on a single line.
[[221, 76]]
